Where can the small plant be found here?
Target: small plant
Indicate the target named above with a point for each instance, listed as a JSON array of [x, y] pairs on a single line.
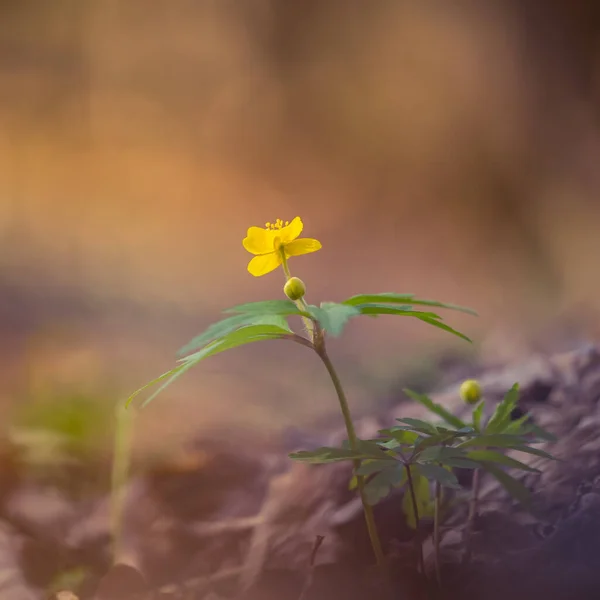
[[409, 455]]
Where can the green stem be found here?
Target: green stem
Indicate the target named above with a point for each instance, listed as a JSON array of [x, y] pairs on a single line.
[[120, 470], [436, 532], [418, 547], [352, 438], [473, 507], [301, 304]]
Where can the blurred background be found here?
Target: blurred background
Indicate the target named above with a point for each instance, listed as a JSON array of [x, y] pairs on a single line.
[[447, 149]]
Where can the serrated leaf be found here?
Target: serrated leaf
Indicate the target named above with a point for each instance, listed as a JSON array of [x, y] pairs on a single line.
[[332, 317], [490, 456], [477, 415], [434, 440], [461, 463], [238, 337], [229, 325], [402, 311], [497, 440], [267, 307], [535, 452], [392, 298], [420, 425], [400, 435], [525, 426], [514, 487], [516, 426], [441, 454], [370, 448], [436, 408], [379, 487], [325, 455], [501, 417], [439, 474], [445, 327], [158, 379], [371, 466]]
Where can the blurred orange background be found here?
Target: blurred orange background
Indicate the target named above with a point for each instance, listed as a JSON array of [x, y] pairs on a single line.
[[444, 149]]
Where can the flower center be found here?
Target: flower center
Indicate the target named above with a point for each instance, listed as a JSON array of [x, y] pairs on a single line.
[[279, 224]]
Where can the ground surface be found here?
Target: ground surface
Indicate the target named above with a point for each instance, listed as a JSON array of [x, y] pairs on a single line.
[[236, 517]]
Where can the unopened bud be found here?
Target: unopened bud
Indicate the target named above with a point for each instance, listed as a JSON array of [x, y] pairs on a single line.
[[294, 288], [470, 391]]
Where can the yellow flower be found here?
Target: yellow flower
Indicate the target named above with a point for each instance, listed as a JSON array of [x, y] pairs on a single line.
[[274, 243]]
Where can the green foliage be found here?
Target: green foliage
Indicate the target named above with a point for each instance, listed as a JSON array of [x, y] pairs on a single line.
[[501, 417], [405, 299], [267, 307], [513, 486], [246, 334], [332, 317], [435, 408], [328, 455], [230, 324], [391, 474]]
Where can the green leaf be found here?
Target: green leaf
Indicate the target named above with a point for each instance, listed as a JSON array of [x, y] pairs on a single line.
[[379, 487], [230, 324], [540, 433], [370, 466], [497, 440], [441, 454], [268, 307], [239, 337], [439, 474], [501, 417], [162, 377], [445, 327], [370, 448], [525, 426], [434, 440], [535, 452], [435, 408], [400, 435], [177, 372], [461, 463], [513, 486], [392, 298], [325, 455], [332, 317], [420, 426], [477, 415], [402, 311], [490, 456]]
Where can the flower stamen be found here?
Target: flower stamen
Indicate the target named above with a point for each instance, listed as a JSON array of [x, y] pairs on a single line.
[[278, 224]]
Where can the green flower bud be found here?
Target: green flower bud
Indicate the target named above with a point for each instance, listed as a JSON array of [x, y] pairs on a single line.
[[294, 288], [470, 391]]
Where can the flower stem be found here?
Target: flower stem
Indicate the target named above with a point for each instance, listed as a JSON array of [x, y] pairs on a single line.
[[418, 548], [301, 303], [473, 506], [367, 508], [436, 532]]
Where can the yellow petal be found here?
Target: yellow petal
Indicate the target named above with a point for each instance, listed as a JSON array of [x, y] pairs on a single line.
[[259, 240], [261, 265], [291, 232], [302, 246]]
